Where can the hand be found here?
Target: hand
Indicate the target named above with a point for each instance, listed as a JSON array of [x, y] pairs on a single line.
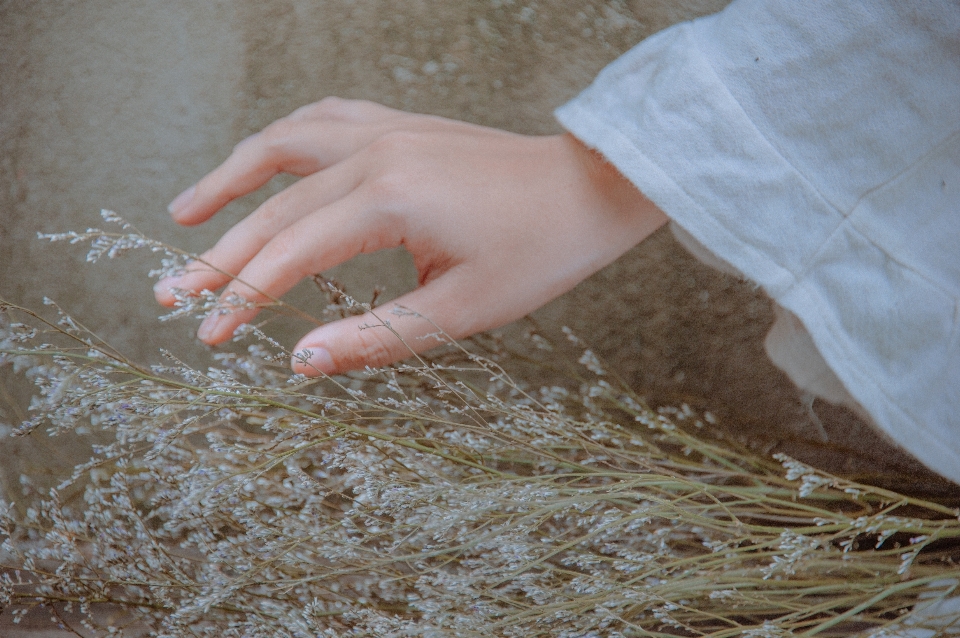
[[498, 224]]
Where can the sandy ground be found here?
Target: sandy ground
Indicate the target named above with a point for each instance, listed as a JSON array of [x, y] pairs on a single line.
[[120, 105]]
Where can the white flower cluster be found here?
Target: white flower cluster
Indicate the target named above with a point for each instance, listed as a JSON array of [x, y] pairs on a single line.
[[440, 498]]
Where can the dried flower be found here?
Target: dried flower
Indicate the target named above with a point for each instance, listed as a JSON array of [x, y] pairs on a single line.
[[435, 498]]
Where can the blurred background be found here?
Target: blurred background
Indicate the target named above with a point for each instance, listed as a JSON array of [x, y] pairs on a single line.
[[123, 104]]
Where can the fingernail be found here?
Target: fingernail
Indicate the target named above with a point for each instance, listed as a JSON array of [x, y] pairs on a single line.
[[168, 281], [208, 327], [180, 201], [318, 360]]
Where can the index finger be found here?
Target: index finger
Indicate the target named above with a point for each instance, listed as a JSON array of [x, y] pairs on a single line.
[[310, 139], [296, 147]]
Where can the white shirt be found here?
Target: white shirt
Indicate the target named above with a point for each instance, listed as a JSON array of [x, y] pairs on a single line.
[[815, 148]]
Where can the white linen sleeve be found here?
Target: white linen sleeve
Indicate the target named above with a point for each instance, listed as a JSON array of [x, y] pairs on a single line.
[[815, 147]]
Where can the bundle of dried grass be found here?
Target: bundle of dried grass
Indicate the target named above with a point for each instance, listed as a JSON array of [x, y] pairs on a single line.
[[435, 498]]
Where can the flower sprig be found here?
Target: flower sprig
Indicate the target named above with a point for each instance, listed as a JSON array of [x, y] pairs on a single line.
[[440, 496]]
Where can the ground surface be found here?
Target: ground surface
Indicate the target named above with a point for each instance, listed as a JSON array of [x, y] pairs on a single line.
[[121, 105]]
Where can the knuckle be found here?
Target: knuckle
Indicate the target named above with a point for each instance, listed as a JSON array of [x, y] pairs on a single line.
[[244, 143], [388, 160], [330, 107], [279, 132], [338, 109], [373, 348], [387, 190], [268, 141], [317, 109], [271, 212], [395, 145], [281, 250]]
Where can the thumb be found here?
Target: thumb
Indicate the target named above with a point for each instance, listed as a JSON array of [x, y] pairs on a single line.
[[413, 323]]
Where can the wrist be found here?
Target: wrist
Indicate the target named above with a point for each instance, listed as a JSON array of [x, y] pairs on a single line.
[[636, 216]]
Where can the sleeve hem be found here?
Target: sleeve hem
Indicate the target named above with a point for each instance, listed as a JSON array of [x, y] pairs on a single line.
[[721, 181]]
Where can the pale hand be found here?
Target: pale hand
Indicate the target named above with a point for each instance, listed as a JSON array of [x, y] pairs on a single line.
[[498, 224]]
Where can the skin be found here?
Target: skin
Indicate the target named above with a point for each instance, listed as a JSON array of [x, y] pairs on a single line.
[[498, 223]]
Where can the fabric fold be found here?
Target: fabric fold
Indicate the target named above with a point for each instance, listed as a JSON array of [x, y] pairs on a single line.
[[852, 224]]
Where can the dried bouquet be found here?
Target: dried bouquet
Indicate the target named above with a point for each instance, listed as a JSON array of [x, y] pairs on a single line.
[[438, 497]]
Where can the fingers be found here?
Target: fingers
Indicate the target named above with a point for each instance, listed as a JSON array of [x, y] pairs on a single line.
[[310, 245], [418, 321], [283, 147], [311, 139], [242, 242], [353, 111]]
